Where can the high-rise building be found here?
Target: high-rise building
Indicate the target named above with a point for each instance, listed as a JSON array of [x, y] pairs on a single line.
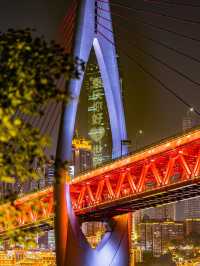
[[135, 220], [188, 209], [81, 156], [51, 240], [98, 122], [192, 226], [49, 173], [145, 232], [42, 241], [135, 256], [192, 208], [164, 212], [188, 123], [155, 236], [188, 120]]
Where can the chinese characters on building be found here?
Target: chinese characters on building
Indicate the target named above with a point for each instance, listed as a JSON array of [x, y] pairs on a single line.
[[99, 129]]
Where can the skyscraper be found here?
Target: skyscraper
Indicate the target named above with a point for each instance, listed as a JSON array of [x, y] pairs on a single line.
[[188, 120], [188, 209], [81, 156], [155, 236], [192, 208], [164, 212], [98, 123]]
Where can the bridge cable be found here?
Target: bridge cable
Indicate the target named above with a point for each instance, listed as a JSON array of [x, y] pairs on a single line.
[[153, 40], [51, 109], [50, 113], [54, 121], [58, 113], [68, 38], [41, 121], [146, 71], [38, 117], [69, 26], [170, 3], [158, 2], [34, 118], [140, 20], [163, 63], [67, 19], [135, 9], [69, 11]]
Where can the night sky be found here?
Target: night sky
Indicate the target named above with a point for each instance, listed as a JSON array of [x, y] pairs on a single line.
[[147, 105]]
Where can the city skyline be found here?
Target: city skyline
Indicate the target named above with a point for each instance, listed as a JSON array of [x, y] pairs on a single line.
[[100, 203]]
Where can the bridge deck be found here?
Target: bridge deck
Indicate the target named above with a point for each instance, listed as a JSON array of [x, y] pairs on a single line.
[[159, 174], [166, 172]]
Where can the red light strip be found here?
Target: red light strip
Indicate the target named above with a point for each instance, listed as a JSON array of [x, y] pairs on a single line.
[[141, 155], [123, 178]]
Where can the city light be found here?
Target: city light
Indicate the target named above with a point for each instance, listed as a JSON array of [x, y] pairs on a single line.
[[102, 199]]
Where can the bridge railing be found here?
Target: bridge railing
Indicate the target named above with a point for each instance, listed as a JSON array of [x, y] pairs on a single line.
[[170, 162], [147, 147]]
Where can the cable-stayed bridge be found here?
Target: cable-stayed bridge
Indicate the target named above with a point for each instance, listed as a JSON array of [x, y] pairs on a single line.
[[165, 172]]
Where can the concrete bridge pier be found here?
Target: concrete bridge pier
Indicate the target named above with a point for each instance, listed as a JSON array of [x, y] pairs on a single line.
[[113, 250]]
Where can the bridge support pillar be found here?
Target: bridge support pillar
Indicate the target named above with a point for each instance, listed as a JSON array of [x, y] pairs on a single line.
[[89, 34], [113, 250]]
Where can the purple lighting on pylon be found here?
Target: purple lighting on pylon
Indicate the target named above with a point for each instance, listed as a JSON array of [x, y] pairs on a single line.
[[86, 37]]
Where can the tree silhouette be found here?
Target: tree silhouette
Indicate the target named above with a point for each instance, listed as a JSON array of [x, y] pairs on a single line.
[[30, 69]]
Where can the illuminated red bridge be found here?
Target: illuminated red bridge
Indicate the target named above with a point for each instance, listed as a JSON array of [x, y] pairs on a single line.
[[163, 173]]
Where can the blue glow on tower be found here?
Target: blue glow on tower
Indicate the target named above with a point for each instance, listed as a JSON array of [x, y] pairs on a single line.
[[90, 34]]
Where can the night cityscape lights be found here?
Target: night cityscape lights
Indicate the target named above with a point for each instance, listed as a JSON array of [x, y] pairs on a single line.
[[87, 200], [98, 124], [16, 257]]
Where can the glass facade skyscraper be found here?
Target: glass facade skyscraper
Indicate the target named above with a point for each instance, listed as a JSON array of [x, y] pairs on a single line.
[[164, 212], [155, 236], [190, 208]]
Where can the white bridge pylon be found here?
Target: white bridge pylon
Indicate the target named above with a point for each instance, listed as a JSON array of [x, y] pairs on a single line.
[[93, 19]]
